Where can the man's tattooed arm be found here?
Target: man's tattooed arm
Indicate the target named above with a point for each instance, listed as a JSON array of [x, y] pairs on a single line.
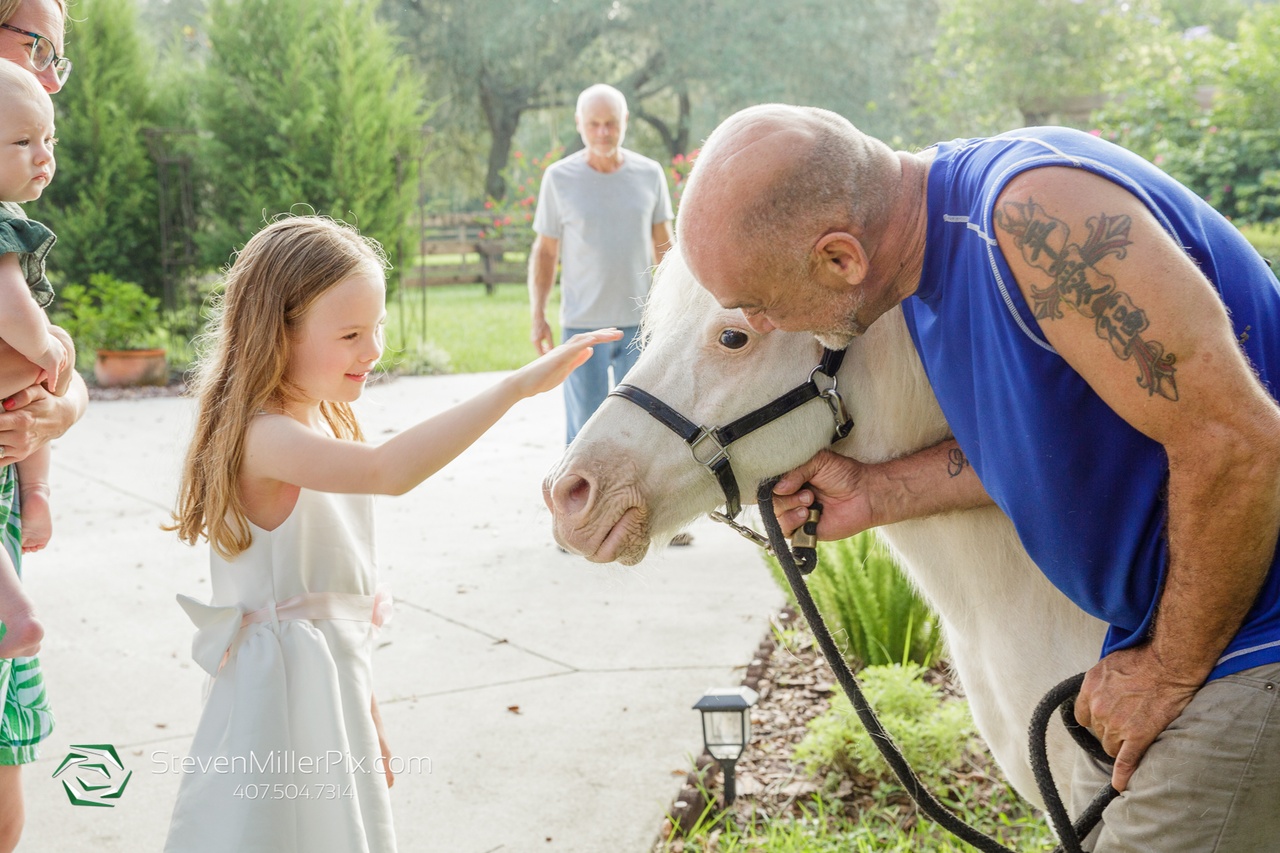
[[1075, 281]]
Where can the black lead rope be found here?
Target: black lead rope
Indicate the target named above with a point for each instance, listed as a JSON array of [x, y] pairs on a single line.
[[1063, 698], [1060, 697]]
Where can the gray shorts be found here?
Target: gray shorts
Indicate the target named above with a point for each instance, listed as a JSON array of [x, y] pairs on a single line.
[[1210, 782]]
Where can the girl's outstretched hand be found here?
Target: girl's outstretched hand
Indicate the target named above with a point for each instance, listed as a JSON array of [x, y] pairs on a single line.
[[550, 370]]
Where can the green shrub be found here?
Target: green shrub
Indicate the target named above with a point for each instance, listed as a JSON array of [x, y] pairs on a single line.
[[107, 314], [1227, 153], [1233, 169], [933, 733], [871, 609]]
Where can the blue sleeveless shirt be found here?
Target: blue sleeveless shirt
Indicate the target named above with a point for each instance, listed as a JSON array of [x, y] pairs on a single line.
[[1086, 491]]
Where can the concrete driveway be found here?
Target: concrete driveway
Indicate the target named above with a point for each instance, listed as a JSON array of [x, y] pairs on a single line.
[[545, 701]]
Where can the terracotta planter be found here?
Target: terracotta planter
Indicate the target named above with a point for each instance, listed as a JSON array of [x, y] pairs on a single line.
[[114, 368]]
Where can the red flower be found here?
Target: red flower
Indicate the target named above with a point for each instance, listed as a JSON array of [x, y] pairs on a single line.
[[488, 205]]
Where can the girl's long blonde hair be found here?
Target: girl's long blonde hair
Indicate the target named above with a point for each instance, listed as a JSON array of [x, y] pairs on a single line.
[[269, 288]]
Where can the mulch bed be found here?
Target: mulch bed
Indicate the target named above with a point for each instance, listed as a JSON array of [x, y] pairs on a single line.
[[795, 685]]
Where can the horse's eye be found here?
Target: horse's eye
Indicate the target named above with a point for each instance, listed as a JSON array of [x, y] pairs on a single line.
[[733, 339]]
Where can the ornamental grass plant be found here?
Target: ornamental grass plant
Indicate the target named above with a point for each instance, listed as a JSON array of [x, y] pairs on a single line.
[[872, 610]]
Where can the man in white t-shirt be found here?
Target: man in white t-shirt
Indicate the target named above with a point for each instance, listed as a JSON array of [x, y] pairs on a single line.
[[605, 214]]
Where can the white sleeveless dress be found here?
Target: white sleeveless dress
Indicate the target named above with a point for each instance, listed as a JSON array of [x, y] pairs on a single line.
[[285, 758]]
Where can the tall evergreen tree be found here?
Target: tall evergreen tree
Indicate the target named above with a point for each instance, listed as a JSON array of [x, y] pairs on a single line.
[[102, 202], [307, 105]]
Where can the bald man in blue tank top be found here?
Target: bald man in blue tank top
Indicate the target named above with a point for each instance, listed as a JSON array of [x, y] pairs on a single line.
[[1106, 349]]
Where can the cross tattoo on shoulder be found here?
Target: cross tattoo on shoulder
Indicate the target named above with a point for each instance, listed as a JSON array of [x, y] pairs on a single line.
[[1076, 282]]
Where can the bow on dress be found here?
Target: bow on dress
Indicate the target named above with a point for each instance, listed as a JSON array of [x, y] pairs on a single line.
[[218, 625]]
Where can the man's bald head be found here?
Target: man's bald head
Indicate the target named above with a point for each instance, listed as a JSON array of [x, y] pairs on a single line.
[[772, 179]]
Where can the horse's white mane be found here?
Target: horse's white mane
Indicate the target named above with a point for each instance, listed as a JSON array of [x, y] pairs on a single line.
[[674, 297]]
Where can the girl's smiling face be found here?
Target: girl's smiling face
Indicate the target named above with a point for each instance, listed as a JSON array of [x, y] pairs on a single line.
[[26, 147], [339, 340]]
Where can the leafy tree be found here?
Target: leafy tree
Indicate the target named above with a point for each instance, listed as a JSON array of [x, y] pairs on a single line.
[[1251, 76], [1027, 62], [497, 60], [167, 20], [722, 56], [306, 102], [102, 203], [683, 64], [1218, 17], [1159, 105], [1233, 163], [1205, 110]]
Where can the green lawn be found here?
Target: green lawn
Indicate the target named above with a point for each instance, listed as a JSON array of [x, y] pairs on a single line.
[[461, 329]]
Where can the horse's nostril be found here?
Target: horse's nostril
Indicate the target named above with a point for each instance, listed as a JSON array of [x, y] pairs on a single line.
[[571, 493]]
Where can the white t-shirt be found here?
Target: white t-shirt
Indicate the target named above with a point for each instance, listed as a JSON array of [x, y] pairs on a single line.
[[604, 222]]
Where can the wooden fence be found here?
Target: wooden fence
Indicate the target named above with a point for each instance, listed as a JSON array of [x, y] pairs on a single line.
[[480, 260]]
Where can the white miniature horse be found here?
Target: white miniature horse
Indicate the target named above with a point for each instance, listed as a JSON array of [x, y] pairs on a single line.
[[628, 480]]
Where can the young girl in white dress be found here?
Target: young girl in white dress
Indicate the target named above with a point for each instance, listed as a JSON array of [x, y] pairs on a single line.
[[289, 754]]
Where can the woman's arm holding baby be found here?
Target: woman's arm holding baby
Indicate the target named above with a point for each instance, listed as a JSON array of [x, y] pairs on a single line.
[[32, 416]]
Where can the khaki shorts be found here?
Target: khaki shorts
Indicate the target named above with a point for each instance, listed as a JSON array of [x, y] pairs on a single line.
[[1210, 782]]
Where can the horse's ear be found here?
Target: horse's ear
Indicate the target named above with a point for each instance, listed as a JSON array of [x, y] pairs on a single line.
[[841, 259]]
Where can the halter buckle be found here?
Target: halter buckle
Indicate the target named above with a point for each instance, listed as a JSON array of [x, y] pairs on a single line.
[[705, 434]]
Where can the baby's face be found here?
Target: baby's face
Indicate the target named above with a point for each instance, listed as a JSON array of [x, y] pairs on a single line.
[[26, 147]]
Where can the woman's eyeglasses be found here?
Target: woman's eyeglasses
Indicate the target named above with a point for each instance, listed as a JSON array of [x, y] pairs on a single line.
[[43, 55]]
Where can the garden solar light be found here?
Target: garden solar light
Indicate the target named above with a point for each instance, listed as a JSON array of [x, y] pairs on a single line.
[[726, 728]]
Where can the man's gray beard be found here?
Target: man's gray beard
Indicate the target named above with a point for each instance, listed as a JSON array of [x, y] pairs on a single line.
[[835, 340], [848, 329]]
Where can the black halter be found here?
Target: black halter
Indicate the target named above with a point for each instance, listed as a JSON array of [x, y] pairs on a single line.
[[710, 445]]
